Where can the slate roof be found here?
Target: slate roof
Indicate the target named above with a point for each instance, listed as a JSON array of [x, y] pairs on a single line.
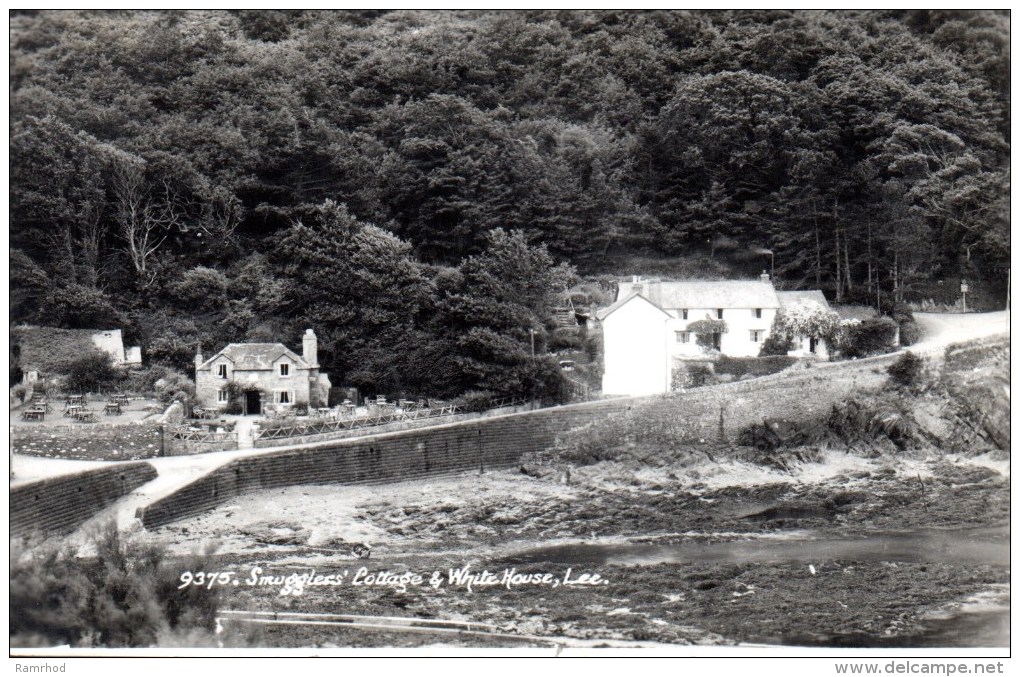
[[602, 313], [675, 294], [788, 298], [254, 356]]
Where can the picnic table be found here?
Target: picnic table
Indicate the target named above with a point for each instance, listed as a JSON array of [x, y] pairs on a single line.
[[112, 408], [406, 404], [75, 399], [325, 411], [85, 416], [73, 409], [34, 415], [201, 412], [121, 400]]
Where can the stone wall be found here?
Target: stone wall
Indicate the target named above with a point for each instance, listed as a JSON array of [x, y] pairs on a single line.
[[397, 426], [59, 505], [477, 445]]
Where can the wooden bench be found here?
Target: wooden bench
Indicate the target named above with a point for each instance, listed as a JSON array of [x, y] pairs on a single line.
[[85, 416]]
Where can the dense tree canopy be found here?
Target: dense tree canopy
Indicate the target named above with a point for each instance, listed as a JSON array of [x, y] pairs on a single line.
[[205, 176]]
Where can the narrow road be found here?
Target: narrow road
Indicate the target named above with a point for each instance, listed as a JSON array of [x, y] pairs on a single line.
[[940, 329]]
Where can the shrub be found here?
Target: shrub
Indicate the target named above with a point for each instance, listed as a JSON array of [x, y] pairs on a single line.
[[910, 333], [704, 330], [175, 386], [90, 371], [125, 596], [753, 366], [776, 344], [907, 371], [565, 338], [475, 400], [144, 382], [870, 337], [20, 391], [691, 375]]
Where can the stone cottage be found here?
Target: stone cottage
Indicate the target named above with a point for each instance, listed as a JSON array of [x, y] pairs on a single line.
[[261, 374]]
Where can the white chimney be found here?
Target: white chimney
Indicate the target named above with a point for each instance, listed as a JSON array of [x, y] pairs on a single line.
[[310, 348], [764, 277]]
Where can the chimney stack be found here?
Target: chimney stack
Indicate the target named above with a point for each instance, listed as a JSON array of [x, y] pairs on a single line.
[[198, 358], [764, 277], [310, 349]]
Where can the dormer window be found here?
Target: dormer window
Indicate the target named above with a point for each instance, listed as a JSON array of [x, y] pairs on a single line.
[[221, 370], [284, 370], [757, 313]]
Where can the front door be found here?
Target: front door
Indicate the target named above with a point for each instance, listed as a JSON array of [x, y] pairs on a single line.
[[252, 403]]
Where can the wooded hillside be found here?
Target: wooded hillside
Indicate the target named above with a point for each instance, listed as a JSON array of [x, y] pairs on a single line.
[[408, 182]]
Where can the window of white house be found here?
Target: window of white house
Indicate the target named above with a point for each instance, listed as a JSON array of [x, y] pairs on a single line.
[[757, 335], [683, 337], [757, 313], [683, 313], [221, 396], [284, 370], [283, 397], [718, 313], [221, 370]]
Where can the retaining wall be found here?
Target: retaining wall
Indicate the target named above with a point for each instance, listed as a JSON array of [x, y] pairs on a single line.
[[59, 505], [477, 445], [263, 443]]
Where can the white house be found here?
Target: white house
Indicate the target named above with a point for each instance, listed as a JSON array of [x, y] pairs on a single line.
[[654, 324], [807, 346]]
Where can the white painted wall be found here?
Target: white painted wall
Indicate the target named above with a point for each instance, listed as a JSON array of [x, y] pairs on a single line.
[[736, 342], [634, 340], [803, 349]]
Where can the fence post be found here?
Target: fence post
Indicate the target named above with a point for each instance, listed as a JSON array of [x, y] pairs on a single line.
[[162, 439]]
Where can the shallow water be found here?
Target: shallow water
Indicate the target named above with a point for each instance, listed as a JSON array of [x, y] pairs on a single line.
[[957, 546], [987, 626]]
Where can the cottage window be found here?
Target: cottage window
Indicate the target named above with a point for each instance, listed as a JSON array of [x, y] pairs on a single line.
[[757, 335], [718, 313], [683, 337], [757, 313], [221, 396], [283, 397], [284, 370], [221, 370], [683, 313]]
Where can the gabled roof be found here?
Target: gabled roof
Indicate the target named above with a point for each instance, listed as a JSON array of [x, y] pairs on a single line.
[[605, 312], [789, 298], [254, 356], [677, 294]]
